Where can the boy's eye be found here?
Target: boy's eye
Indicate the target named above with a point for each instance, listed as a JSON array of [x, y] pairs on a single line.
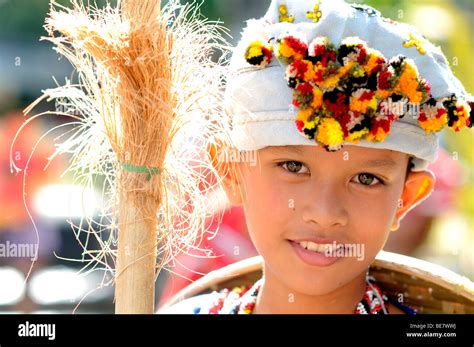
[[295, 167], [367, 179]]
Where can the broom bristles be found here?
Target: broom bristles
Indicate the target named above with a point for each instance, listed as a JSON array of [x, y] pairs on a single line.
[[150, 96]]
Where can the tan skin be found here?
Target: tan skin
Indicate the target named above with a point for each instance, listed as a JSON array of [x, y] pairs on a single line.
[[292, 193]]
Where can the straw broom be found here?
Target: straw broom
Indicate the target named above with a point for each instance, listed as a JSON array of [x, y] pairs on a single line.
[[147, 85]]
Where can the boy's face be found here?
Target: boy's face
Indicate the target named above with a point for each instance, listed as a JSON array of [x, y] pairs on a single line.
[[348, 199]]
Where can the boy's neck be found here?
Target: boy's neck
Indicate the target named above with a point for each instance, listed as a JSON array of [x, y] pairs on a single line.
[[273, 298]]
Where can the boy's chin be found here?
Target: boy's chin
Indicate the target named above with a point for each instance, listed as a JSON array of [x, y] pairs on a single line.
[[327, 280], [319, 287]]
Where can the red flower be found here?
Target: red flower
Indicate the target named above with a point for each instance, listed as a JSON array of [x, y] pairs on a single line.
[[379, 64], [362, 54], [339, 107], [303, 94], [345, 118], [424, 87], [304, 88], [385, 124], [301, 67], [319, 50], [299, 125], [323, 54], [384, 82], [319, 76], [423, 118], [296, 44], [330, 56], [369, 95], [268, 54]]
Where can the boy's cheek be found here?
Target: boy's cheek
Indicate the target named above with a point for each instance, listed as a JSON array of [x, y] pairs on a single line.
[[372, 235], [371, 221], [265, 194], [268, 210]]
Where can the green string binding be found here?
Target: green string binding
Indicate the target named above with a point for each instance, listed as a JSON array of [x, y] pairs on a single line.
[[150, 171]]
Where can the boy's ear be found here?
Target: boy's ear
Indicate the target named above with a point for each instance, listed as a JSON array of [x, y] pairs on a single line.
[[418, 187], [227, 172]]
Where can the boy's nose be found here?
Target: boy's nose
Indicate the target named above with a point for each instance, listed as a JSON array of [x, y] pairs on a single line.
[[325, 207]]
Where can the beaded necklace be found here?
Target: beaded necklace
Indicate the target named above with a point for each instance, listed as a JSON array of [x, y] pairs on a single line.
[[242, 300]]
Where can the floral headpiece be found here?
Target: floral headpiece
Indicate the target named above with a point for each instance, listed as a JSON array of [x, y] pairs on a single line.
[[352, 92]]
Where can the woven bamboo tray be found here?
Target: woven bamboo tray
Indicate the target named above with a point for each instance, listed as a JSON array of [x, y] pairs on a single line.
[[426, 287]]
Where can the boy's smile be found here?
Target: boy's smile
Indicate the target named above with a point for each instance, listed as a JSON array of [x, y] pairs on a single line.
[[324, 252], [314, 253]]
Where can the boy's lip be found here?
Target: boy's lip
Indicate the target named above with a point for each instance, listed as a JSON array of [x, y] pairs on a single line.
[[315, 240], [311, 257]]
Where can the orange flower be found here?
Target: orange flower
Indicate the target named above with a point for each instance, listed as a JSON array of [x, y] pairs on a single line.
[[408, 84], [317, 99], [378, 137]]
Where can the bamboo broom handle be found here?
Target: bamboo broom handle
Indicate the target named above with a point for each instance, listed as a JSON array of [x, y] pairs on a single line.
[[136, 262], [136, 257]]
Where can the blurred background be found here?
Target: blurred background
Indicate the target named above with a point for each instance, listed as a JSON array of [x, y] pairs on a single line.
[[440, 230]]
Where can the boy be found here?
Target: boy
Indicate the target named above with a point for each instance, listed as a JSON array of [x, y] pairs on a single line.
[[342, 107]]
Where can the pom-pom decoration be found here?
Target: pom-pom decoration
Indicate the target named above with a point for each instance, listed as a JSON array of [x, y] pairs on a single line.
[[259, 54], [352, 92]]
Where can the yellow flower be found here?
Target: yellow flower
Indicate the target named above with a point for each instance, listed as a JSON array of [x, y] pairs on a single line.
[[330, 133], [283, 10], [258, 54], [356, 136], [359, 72], [284, 15], [434, 125], [408, 84], [254, 51], [361, 106], [303, 115], [417, 42], [311, 124], [316, 14], [331, 82]]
